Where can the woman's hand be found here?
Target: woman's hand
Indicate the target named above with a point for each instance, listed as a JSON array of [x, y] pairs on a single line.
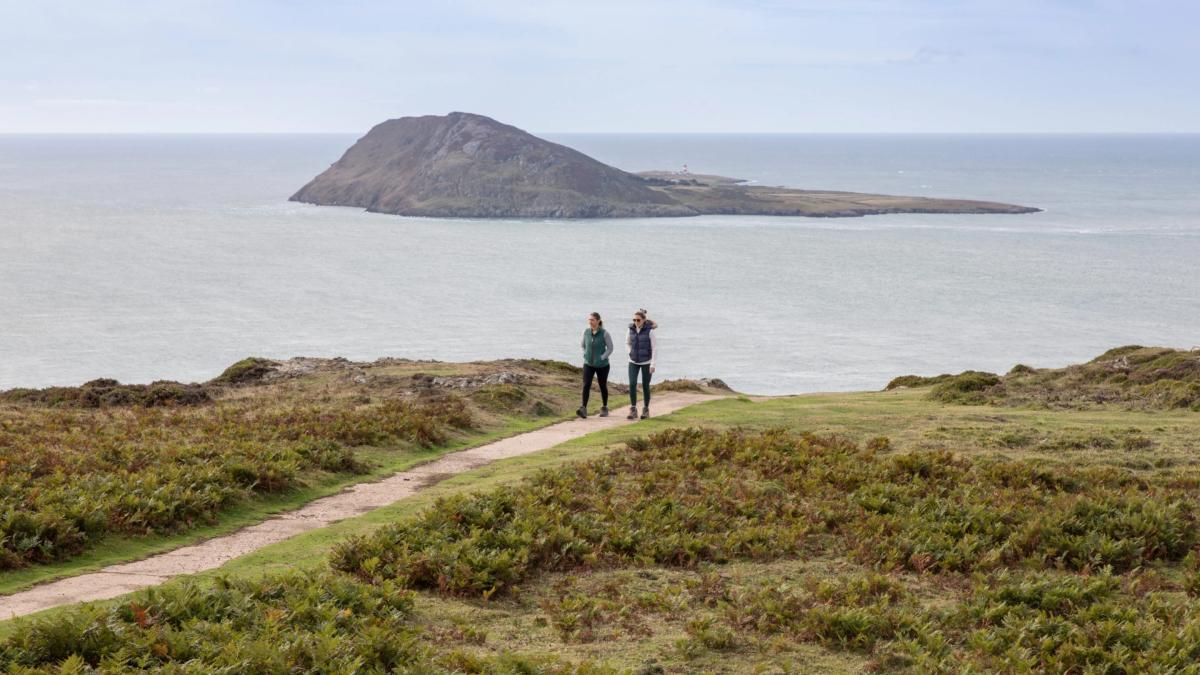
[[651, 370]]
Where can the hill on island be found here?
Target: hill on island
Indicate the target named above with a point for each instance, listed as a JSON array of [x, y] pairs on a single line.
[[471, 166]]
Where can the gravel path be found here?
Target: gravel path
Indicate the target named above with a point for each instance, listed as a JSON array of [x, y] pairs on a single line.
[[116, 580]]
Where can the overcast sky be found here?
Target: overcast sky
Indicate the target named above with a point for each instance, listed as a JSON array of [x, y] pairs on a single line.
[[616, 65]]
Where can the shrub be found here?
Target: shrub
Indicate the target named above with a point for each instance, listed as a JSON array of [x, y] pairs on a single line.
[[106, 393], [684, 497], [916, 381], [552, 367], [678, 385], [965, 566], [970, 387], [72, 477], [500, 397], [246, 371], [1134, 376], [335, 624], [853, 611], [1054, 623], [670, 503]]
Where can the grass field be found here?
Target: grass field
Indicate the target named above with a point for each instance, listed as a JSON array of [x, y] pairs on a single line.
[[885, 531], [95, 475]]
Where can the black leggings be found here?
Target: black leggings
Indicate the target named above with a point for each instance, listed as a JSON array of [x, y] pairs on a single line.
[[601, 374], [633, 378]]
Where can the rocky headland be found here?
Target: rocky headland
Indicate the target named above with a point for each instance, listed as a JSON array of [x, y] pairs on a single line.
[[464, 165]]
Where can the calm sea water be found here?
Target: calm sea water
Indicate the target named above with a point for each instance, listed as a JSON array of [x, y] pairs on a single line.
[[148, 257]]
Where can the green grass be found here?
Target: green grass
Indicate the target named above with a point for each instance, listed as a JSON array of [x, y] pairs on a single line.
[[1079, 474], [87, 481], [309, 551], [1134, 377], [904, 416], [384, 461], [73, 478]]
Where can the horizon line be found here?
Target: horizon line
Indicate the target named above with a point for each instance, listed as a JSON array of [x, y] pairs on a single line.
[[625, 133]]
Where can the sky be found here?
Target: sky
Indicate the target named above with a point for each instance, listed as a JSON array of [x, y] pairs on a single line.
[[610, 66]]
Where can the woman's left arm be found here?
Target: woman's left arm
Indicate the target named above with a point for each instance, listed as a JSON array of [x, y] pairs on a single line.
[[608, 346]]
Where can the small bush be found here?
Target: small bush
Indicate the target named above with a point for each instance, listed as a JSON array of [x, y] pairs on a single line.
[[552, 367], [1137, 442], [916, 381], [971, 387], [246, 371], [710, 635], [500, 397], [678, 385]]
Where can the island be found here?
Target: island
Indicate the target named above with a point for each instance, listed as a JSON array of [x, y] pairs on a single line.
[[464, 165]]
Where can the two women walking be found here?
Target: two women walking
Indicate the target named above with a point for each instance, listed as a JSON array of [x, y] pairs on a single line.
[[597, 346]]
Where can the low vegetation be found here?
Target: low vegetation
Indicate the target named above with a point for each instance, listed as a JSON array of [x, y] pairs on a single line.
[[286, 624], [71, 478], [251, 369], [79, 464], [706, 386], [1034, 568], [106, 393], [884, 532], [686, 497], [1133, 376]]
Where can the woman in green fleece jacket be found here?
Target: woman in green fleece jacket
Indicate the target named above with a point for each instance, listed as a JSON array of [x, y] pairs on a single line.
[[597, 346]]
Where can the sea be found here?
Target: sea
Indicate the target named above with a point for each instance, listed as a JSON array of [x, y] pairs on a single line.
[[146, 257]]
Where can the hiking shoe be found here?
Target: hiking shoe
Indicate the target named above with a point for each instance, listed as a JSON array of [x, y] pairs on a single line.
[[582, 412], [604, 411], [632, 413], [645, 412]]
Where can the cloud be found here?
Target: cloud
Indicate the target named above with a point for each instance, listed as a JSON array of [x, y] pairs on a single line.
[[91, 103], [221, 65], [928, 55]]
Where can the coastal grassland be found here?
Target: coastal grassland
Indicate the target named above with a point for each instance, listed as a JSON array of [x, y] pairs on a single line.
[[1135, 377], [107, 472], [776, 535]]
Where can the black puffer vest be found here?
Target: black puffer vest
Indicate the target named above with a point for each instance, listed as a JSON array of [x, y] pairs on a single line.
[[640, 349]]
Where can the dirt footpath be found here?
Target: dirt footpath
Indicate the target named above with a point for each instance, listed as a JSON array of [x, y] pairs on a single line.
[[116, 580]]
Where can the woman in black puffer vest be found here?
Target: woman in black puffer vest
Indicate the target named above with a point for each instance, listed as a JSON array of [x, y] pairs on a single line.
[[643, 353]]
